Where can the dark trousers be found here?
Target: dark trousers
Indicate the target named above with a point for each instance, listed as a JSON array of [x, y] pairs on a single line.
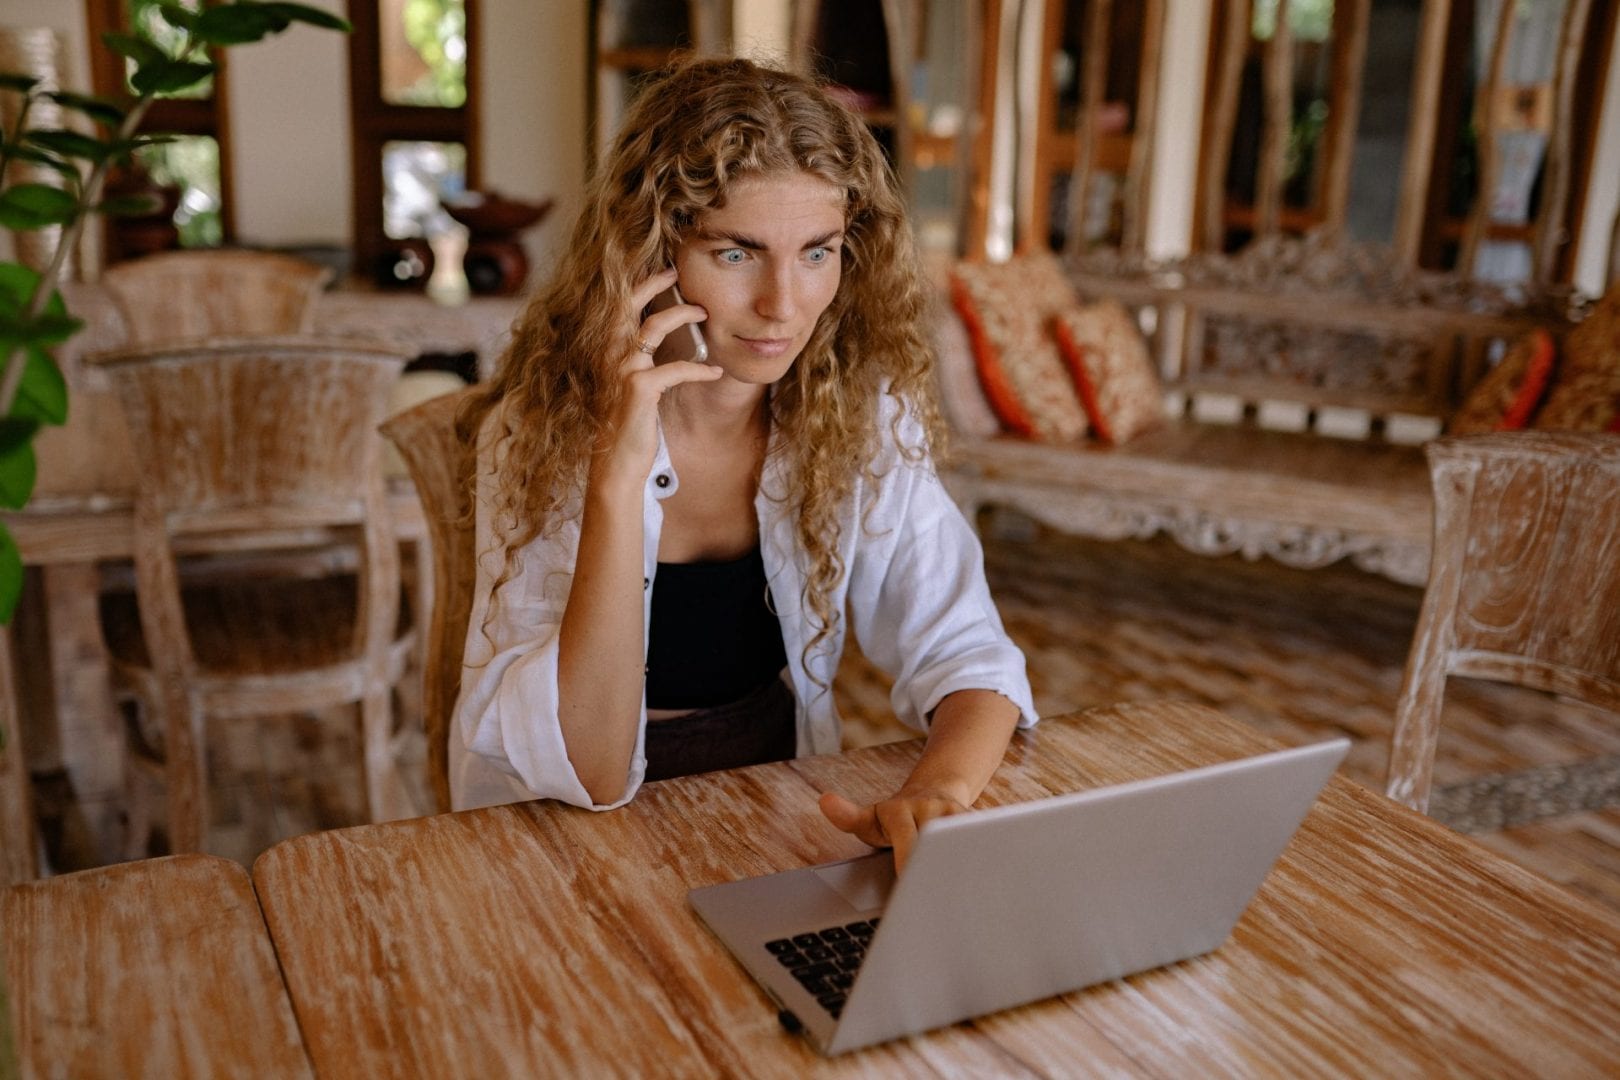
[[757, 729]]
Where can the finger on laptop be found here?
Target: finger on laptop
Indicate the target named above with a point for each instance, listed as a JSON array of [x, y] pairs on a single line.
[[859, 821]]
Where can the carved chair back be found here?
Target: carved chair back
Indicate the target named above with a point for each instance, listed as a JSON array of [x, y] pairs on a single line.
[[256, 445], [190, 295], [441, 461], [1524, 582]]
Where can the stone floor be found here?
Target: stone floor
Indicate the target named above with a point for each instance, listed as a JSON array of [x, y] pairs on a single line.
[[1300, 655]]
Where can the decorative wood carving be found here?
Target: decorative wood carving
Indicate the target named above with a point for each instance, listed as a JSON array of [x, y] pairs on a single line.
[[1121, 515]]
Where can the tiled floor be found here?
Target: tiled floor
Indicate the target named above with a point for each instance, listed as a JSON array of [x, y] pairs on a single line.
[[1298, 654]]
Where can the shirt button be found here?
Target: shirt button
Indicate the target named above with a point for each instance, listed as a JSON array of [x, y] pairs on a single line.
[[646, 583], [662, 480]]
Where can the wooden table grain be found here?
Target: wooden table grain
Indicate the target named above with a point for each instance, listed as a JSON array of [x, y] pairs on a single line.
[[160, 968], [539, 939]]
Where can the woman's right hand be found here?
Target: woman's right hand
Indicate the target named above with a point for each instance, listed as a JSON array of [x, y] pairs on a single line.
[[632, 442]]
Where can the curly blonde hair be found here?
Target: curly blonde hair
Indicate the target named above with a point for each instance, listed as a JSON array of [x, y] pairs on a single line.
[[700, 127]]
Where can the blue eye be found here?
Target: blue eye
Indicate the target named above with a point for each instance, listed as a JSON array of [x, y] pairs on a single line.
[[732, 256], [819, 255]]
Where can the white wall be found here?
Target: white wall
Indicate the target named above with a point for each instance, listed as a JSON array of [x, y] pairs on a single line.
[[289, 134], [533, 100]]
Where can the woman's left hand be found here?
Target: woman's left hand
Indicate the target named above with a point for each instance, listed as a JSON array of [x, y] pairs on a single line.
[[892, 822]]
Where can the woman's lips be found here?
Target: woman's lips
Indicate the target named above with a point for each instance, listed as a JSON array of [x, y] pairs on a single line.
[[767, 347]]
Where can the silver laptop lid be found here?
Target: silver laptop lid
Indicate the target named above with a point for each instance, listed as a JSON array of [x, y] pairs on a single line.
[[1016, 903]]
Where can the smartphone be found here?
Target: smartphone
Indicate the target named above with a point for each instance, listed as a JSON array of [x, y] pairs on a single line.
[[685, 342]]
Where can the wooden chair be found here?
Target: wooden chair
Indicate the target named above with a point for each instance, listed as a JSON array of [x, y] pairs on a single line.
[[258, 445], [1524, 588], [441, 461], [193, 295]]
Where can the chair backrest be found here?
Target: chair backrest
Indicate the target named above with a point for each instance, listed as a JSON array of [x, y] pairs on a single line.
[[441, 463], [1524, 582], [190, 295], [256, 443]]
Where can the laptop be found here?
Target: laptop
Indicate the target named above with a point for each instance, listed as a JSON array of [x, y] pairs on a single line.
[[1016, 903]]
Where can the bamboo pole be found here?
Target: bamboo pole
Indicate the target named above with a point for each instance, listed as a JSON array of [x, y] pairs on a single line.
[[1344, 110], [1550, 233], [1430, 66], [1218, 151], [1278, 76], [1144, 130]]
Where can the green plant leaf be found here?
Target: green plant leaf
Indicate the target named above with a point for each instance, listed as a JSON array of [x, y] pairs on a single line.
[[137, 49], [72, 144], [237, 24], [20, 83], [42, 395], [168, 76], [11, 577], [142, 205], [17, 285], [98, 109], [313, 16], [147, 140], [178, 16], [18, 468], [50, 161], [34, 206], [16, 433]]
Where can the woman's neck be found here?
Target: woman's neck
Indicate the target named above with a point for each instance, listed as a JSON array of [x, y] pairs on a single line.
[[721, 410]]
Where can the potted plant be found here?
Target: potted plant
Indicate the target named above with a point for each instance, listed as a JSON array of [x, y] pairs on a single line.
[[33, 318]]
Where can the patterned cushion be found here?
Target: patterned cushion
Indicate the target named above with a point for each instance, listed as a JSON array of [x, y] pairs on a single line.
[[1109, 360], [1007, 308], [961, 393], [1594, 345], [1583, 401], [1504, 399]]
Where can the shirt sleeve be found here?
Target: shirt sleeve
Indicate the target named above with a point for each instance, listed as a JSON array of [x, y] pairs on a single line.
[[507, 713], [918, 599]]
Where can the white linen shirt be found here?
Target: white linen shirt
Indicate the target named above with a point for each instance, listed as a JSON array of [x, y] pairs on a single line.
[[916, 597]]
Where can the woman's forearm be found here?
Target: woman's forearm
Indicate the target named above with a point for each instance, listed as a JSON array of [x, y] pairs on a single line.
[[600, 652], [966, 741]]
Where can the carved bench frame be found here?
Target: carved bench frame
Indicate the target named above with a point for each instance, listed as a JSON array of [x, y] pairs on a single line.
[[1367, 360]]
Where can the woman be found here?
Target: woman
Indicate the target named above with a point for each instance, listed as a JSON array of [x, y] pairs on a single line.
[[667, 550]]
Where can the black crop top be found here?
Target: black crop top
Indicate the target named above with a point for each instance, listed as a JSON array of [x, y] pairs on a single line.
[[712, 639]]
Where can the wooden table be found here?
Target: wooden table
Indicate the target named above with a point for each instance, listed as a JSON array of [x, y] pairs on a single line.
[[543, 940], [159, 968]]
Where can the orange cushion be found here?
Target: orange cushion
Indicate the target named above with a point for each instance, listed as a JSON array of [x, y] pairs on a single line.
[[1108, 358], [1583, 401], [1006, 308], [1506, 397]]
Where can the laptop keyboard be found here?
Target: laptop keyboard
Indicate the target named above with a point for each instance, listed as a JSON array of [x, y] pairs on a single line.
[[825, 961]]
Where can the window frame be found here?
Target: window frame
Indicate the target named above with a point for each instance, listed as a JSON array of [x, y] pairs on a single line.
[[374, 122]]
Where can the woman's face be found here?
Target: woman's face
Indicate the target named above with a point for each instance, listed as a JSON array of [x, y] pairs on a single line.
[[765, 266]]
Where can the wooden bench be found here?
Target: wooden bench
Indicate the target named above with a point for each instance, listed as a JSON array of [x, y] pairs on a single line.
[[1300, 382]]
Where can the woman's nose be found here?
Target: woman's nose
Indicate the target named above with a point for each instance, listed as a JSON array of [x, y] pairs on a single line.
[[775, 299]]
